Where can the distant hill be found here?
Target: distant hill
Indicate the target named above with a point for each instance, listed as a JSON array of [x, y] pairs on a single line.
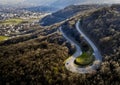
[[116, 7], [42, 9], [64, 3], [65, 13]]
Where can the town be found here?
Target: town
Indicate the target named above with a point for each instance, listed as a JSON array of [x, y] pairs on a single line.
[[14, 22]]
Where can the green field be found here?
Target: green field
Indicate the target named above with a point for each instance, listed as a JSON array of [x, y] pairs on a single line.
[[14, 21], [84, 59], [2, 38]]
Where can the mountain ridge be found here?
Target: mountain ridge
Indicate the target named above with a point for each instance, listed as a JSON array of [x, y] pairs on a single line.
[[42, 9], [65, 13]]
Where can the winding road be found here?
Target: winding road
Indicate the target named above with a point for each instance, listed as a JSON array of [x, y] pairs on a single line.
[[69, 64]]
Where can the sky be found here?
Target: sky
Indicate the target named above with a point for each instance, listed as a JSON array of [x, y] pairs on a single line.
[[47, 2]]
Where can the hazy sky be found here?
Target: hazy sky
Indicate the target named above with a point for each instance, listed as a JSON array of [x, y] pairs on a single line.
[[10, 1], [37, 2], [44, 2]]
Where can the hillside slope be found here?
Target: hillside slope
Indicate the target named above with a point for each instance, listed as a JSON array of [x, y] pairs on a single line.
[[65, 14], [103, 27]]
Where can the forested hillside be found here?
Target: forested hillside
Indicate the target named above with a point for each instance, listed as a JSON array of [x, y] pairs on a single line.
[[103, 26]]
